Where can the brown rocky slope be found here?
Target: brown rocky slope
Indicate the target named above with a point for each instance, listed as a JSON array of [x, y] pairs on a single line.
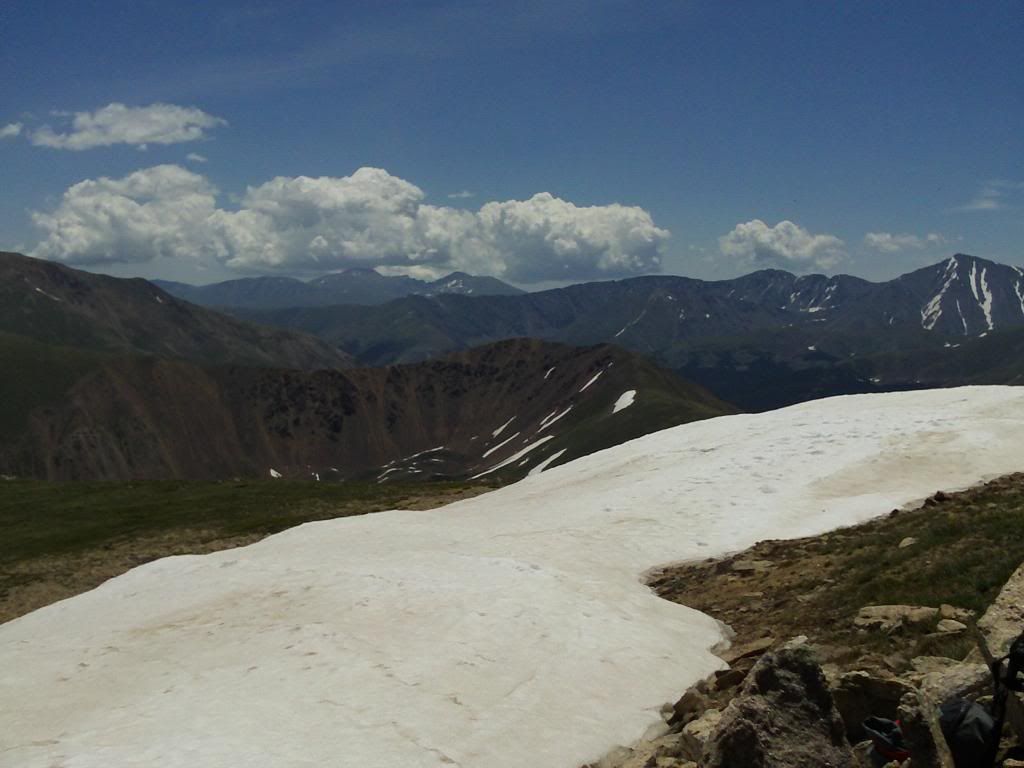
[[462, 416], [58, 305]]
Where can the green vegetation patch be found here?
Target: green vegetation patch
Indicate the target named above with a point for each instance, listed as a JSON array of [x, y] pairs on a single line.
[[964, 547]]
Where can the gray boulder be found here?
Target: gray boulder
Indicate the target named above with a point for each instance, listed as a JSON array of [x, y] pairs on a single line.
[[783, 717]]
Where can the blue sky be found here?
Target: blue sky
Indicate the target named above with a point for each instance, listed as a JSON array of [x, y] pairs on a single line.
[[697, 138]]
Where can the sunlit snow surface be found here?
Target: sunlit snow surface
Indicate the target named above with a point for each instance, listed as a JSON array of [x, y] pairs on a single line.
[[510, 629]]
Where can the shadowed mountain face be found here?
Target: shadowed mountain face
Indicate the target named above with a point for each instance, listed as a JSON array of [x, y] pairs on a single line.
[[58, 305], [763, 340], [354, 286], [500, 410]]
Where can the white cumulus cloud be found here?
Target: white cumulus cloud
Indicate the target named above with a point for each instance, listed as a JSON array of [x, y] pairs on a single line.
[[137, 126], [305, 223], [785, 245], [371, 218], [10, 130], [157, 212], [195, 157], [888, 242], [546, 238]]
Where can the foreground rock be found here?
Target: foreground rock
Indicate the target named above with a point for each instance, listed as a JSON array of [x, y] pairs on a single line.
[[1004, 619], [784, 716], [893, 618]]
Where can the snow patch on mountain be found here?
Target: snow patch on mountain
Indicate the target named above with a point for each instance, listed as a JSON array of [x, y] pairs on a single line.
[[979, 283], [546, 462], [506, 441], [631, 323], [932, 311], [515, 457], [48, 295], [625, 400], [505, 630], [551, 418], [501, 429], [412, 456], [595, 377]]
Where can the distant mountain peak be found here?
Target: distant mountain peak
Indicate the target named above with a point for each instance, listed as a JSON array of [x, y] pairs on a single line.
[[356, 285], [969, 296]]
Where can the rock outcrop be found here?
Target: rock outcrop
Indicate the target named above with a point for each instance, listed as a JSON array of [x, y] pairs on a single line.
[[1004, 619], [784, 716]]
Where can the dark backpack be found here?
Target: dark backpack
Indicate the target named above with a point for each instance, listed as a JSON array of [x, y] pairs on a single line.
[[969, 730], [886, 741]]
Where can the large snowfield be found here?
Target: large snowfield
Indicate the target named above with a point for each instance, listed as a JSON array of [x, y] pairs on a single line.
[[512, 629]]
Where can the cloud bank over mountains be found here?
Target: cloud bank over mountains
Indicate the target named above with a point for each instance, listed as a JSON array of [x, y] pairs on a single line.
[[303, 225], [785, 245], [371, 218]]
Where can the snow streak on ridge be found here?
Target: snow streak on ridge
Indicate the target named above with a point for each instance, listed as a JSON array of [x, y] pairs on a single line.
[[592, 380], [546, 462], [489, 451], [631, 323], [515, 456], [501, 429], [1019, 290], [962, 318], [933, 309], [550, 419], [986, 301]]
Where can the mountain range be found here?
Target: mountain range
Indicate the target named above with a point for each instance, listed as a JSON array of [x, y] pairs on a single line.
[[114, 379], [761, 341], [108, 378], [353, 286]]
